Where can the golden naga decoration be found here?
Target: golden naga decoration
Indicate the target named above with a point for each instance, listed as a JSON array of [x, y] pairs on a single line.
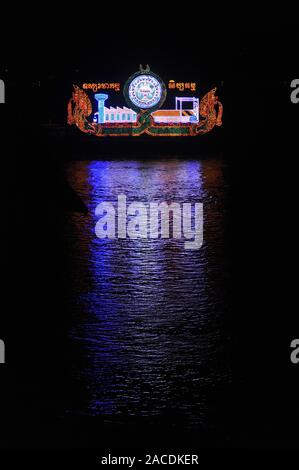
[[145, 93]]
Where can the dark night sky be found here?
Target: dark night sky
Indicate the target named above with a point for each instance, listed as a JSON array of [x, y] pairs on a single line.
[[210, 49]]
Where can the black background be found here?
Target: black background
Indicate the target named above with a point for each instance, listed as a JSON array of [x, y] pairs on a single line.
[[252, 63]]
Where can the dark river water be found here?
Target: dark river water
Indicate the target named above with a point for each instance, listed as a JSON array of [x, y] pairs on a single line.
[[150, 318]]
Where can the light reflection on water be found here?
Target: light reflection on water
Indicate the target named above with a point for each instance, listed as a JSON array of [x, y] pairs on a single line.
[[148, 314]]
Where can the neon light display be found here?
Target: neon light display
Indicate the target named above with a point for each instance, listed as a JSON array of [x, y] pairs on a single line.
[[172, 85], [101, 86], [145, 93], [115, 115]]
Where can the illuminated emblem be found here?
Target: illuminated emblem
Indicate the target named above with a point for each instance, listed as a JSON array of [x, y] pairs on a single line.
[[145, 91]]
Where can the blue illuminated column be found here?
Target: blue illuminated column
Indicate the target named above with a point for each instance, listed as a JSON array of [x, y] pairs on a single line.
[[101, 98]]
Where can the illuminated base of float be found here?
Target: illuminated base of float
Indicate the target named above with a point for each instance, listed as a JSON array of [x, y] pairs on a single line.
[[145, 93]]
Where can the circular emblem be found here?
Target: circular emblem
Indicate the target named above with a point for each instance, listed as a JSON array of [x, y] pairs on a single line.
[[145, 90]]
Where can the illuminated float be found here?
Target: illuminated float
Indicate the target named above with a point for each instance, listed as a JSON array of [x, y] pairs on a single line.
[[145, 93]]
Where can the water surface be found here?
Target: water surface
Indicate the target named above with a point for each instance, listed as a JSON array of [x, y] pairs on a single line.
[[150, 317]]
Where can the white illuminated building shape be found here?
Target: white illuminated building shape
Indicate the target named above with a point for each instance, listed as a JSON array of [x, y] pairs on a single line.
[[118, 114], [178, 115]]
